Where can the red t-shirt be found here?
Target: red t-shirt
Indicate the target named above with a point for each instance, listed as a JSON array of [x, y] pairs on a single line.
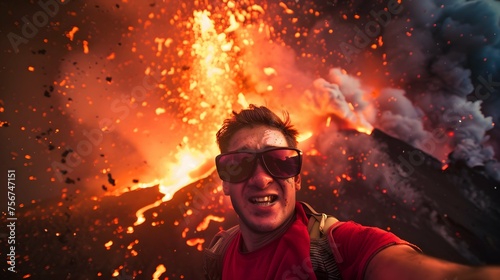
[[284, 258], [358, 244], [288, 257]]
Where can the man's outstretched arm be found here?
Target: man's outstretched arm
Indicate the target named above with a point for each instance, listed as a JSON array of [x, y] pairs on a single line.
[[403, 262]]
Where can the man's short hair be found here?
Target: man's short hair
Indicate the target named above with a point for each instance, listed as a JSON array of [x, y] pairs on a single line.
[[252, 117]]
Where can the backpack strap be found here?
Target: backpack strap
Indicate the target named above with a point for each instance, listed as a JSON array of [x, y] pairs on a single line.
[[324, 252], [333, 244], [319, 223], [214, 254]]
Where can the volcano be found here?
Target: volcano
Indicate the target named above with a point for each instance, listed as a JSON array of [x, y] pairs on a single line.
[[110, 110], [451, 214]]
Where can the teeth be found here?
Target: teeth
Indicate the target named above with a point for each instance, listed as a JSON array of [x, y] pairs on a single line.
[[264, 199]]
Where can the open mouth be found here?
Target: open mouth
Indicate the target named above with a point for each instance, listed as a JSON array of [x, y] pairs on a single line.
[[264, 200]]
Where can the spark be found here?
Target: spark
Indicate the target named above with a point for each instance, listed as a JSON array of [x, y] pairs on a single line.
[[206, 221], [160, 269], [70, 34]]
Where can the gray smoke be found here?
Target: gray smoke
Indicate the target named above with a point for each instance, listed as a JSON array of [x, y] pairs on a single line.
[[442, 68], [457, 46]]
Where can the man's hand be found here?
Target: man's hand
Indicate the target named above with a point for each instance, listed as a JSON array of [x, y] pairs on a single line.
[[402, 262]]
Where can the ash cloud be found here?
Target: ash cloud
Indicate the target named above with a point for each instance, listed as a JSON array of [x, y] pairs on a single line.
[[441, 76], [457, 45], [438, 55]]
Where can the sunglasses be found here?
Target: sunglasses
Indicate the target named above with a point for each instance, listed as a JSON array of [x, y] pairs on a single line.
[[279, 162]]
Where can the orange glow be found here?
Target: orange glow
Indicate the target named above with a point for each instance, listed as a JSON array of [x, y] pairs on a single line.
[[71, 34], [108, 244], [365, 129], [160, 269], [195, 241], [131, 245], [206, 221], [85, 47], [198, 242], [304, 136], [269, 71], [328, 121], [160, 111], [242, 100], [111, 56], [184, 232], [286, 9], [213, 64]]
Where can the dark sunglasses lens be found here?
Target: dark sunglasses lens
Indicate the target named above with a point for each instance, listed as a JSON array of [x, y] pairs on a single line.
[[283, 163], [235, 167]]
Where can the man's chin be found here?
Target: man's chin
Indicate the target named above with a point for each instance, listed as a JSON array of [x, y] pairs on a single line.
[[263, 228], [262, 224]]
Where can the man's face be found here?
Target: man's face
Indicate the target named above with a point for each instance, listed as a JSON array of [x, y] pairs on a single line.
[[261, 217]]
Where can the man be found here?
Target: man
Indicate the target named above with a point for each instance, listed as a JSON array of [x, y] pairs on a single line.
[[259, 166]]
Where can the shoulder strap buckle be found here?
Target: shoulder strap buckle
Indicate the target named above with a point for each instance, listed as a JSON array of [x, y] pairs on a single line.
[[319, 223]]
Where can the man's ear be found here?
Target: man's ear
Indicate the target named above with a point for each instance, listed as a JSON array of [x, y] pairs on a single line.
[[225, 188], [297, 180]]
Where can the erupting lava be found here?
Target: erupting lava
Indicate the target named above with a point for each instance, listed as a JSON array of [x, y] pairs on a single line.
[[216, 76], [212, 80]]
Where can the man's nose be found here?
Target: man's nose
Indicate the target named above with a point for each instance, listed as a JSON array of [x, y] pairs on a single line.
[[260, 178]]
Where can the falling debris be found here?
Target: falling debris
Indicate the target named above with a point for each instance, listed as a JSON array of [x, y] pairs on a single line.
[[111, 180], [70, 181], [71, 34]]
